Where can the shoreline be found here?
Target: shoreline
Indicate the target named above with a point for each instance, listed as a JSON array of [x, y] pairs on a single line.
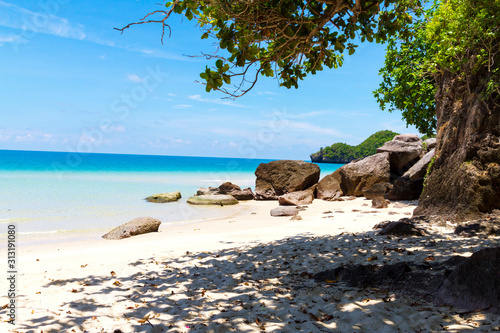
[[235, 273]]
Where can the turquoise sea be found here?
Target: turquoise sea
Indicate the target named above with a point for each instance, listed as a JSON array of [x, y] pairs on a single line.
[[57, 192]]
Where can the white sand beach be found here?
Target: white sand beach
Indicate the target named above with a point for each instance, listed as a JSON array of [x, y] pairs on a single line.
[[249, 272]]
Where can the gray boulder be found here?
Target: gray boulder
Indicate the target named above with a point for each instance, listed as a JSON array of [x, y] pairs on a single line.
[[215, 199], [364, 173], [430, 143], [165, 197], [407, 138], [329, 186], [280, 177], [419, 169], [138, 226], [297, 198], [285, 211], [402, 154]]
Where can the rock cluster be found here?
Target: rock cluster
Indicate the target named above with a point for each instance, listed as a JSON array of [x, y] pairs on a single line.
[[396, 172], [226, 194]]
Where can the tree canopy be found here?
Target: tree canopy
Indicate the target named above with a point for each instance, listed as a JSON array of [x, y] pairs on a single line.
[[455, 36], [285, 39]]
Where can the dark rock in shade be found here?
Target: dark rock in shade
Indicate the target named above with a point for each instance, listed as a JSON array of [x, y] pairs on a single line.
[[165, 197], [419, 169], [402, 155], [380, 202], [216, 199], [475, 283], [406, 189], [280, 177], [329, 186], [401, 228], [364, 173], [479, 227], [377, 190], [138, 226], [285, 211], [364, 276], [297, 198]]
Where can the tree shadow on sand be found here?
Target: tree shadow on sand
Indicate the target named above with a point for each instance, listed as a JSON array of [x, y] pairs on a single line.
[[266, 287]]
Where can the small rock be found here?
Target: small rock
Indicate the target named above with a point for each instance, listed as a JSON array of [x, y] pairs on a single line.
[[380, 203], [165, 197], [218, 200], [285, 211], [138, 226], [296, 218]]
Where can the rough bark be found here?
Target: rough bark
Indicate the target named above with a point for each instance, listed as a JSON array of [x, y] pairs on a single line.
[[464, 182]]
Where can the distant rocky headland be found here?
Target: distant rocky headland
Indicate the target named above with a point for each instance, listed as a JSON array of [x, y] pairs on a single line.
[[343, 153]]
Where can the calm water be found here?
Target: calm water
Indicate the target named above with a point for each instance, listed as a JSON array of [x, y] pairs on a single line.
[[48, 192]]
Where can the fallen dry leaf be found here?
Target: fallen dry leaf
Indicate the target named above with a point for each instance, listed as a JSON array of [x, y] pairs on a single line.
[[117, 283], [112, 273]]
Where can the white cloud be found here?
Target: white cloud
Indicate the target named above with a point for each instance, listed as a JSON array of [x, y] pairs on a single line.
[[41, 21], [182, 106], [310, 128], [216, 101], [134, 78]]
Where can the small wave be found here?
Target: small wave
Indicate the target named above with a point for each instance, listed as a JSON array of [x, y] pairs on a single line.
[[38, 232]]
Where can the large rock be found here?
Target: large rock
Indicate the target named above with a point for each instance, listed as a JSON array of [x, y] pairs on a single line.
[[138, 226], [236, 191], [419, 169], [165, 197], [280, 177], [407, 138], [475, 283], [216, 199], [377, 190], [406, 189], [364, 173], [329, 186], [402, 154], [297, 198]]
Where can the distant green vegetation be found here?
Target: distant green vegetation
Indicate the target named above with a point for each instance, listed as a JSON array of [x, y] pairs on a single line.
[[343, 153]]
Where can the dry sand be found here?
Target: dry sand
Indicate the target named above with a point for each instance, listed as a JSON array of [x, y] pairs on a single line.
[[249, 272]]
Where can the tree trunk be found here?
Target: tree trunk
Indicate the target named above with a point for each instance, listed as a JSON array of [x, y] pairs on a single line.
[[464, 182]]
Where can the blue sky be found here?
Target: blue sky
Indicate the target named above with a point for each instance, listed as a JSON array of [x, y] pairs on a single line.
[[70, 82]]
